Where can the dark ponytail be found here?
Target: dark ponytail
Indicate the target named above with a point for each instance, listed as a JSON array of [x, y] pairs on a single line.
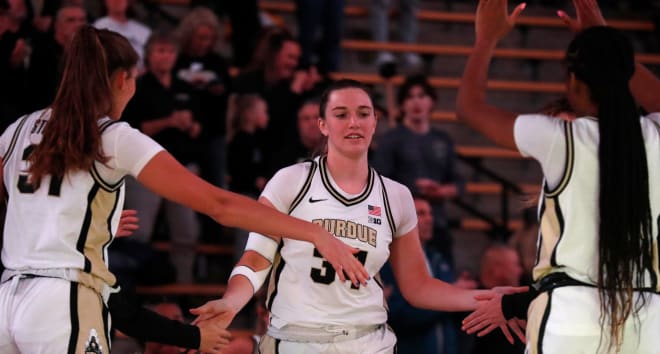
[[603, 59], [71, 139]]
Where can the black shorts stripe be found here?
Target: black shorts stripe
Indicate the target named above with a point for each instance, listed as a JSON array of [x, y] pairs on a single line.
[[75, 325], [277, 346], [303, 191], [106, 326], [544, 322]]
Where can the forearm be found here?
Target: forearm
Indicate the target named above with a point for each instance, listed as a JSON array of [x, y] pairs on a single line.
[[645, 88], [238, 211], [472, 90], [516, 305], [434, 294], [133, 320], [238, 294]]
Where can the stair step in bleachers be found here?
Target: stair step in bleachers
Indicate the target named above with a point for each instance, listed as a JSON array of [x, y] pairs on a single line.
[[459, 50], [457, 17], [453, 83]]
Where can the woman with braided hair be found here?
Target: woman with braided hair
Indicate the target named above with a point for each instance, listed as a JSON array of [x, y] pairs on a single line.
[[597, 271]]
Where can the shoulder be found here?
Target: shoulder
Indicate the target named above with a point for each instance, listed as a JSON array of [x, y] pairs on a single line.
[[396, 190], [294, 172]]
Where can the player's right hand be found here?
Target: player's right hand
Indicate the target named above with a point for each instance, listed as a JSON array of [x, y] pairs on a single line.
[[341, 257]]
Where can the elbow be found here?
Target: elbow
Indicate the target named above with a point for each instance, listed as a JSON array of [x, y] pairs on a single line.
[[220, 209]]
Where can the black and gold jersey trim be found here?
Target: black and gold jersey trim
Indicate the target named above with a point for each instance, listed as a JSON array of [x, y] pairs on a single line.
[[388, 209], [305, 188], [109, 223], [568, 164], [560, 218], [14, 139], [278, 266], [336, 194], [108, 187], [84, 230]]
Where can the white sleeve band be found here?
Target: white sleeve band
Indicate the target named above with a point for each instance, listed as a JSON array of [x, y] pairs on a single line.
[[257, 279], [264, 245]]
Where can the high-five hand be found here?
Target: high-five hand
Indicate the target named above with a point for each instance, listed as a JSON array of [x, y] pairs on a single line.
[[493, 21], [588, 15]]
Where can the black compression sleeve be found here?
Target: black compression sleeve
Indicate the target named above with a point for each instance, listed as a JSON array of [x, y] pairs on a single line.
[[515, 305], [145, 325]]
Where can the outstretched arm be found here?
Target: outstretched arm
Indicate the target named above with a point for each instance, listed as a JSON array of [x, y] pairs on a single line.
[[416, 284], [166, 177], [492, 23]]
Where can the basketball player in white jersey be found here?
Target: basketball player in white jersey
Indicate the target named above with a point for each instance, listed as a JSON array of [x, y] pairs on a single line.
[[312, 310], [63, 171], [597, 268]]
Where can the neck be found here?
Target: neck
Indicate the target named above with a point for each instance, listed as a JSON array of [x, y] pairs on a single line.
[[419, 126], [350, 174]]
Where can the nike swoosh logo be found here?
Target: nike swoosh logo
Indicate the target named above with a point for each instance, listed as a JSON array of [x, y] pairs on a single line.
[[312, 200]]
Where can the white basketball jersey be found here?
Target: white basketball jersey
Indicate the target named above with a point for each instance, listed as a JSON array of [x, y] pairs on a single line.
[[569, 211], [304, 289], [67, 223]]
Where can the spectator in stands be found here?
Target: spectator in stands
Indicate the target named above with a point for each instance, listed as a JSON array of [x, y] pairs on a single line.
[[500, 266], [274, 76], [379, 12], [117, 19], [245, 26], [310, 140], [246, 165], [421, 157], [329, 15], [13, 51], [47, 53], [208, 73], [421, 331], [165, 108], [245, 153], [524, 242]]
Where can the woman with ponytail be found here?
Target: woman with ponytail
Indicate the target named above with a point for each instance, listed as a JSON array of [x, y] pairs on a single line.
[[597, 272], [62, 172]]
